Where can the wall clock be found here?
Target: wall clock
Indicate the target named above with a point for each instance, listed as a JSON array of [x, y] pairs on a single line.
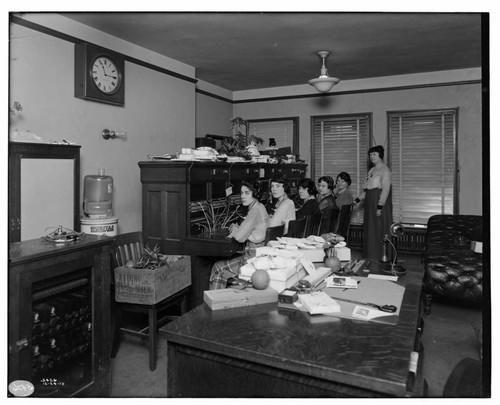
[[99, 74]]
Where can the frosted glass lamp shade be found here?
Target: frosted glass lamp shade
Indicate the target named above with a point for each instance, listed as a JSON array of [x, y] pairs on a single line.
[[324, 84]]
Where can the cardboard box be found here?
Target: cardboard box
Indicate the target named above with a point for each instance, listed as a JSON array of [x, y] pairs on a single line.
[[144, 286], [279, 278], [234, 298], [314, 255]]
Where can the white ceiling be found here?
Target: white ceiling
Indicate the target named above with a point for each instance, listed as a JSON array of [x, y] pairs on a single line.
[[243, 51]]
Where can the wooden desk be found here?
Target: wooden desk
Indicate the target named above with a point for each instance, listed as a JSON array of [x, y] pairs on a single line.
[[265, 351]]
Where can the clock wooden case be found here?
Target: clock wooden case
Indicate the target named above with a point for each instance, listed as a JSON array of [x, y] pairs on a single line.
[[99, 74]]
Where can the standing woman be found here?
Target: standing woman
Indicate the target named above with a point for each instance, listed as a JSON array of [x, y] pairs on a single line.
[[378, 204], [252, 232], [307, 204], [280, 207]]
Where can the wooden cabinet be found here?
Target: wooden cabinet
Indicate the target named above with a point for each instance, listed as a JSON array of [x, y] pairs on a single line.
[[44, 188], [73, 279], [173, 190], [173, 194]]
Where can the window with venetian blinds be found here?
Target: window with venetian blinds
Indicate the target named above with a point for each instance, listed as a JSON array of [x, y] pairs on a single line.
[[284, 132], [423, 164], [340, 144]]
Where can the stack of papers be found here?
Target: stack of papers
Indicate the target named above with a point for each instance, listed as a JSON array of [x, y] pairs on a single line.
[[311, 247], [284, 268]]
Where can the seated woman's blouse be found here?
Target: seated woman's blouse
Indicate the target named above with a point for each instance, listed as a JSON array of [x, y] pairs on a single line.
[[327, 202], [310, 207], [346, 198], [253, 227], [283, 214]]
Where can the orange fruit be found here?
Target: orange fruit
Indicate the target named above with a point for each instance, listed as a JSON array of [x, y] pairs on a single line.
[[260, 279]]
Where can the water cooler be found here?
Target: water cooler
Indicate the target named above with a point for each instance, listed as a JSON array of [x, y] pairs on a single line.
[[98, 217]]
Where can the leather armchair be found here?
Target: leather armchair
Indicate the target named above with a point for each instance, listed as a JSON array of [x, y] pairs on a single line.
[[452, 270]]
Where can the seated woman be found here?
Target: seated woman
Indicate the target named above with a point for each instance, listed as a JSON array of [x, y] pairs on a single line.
[[280, 207], [252, 232], [307, 204], [326, 199], [342, 192]]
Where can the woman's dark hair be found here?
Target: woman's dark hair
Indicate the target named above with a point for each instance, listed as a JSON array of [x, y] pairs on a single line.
[[309, 185], [254, 187], [345, 176], [379, 149], [328, 180], [282, 179]]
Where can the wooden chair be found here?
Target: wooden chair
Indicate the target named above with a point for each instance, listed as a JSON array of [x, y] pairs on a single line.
[[126, 247], [296, 228], [274, 232], [344, 221], [329, 220], [313, 223]]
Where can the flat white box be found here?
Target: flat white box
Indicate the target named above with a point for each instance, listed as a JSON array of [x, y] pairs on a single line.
[[343, 253], [234, 298]]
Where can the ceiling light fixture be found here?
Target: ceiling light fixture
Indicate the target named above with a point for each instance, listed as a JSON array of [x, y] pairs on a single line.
[[324, 82]]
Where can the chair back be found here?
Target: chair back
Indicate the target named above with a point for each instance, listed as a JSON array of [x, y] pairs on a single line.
[[344, 221], [329, 220], [274, 232], [296, 228], [313, 223], [128, 246]]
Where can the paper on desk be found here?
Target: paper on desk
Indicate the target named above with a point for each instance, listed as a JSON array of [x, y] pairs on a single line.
[[380, 292], [341, 282]]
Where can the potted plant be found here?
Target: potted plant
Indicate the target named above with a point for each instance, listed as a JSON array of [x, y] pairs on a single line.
[[238, 143]]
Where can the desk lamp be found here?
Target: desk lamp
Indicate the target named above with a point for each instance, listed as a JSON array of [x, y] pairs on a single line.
[[396, 230]]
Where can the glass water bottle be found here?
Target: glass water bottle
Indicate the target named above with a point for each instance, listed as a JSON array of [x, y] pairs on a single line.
[[98, 195]]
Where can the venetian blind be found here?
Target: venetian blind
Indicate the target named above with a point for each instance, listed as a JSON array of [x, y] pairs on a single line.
[[283, 132], [340, 144], [422, 150]]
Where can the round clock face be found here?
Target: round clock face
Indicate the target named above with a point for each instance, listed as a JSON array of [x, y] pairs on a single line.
[[105, 75]]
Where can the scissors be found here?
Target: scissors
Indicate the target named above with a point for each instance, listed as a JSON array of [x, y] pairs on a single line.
[[384, 308]]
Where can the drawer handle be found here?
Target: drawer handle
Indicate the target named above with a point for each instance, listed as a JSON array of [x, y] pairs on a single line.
[[219, 171]]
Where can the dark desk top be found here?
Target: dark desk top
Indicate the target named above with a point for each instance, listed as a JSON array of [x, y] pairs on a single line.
[[363, 354], [37, 248]]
